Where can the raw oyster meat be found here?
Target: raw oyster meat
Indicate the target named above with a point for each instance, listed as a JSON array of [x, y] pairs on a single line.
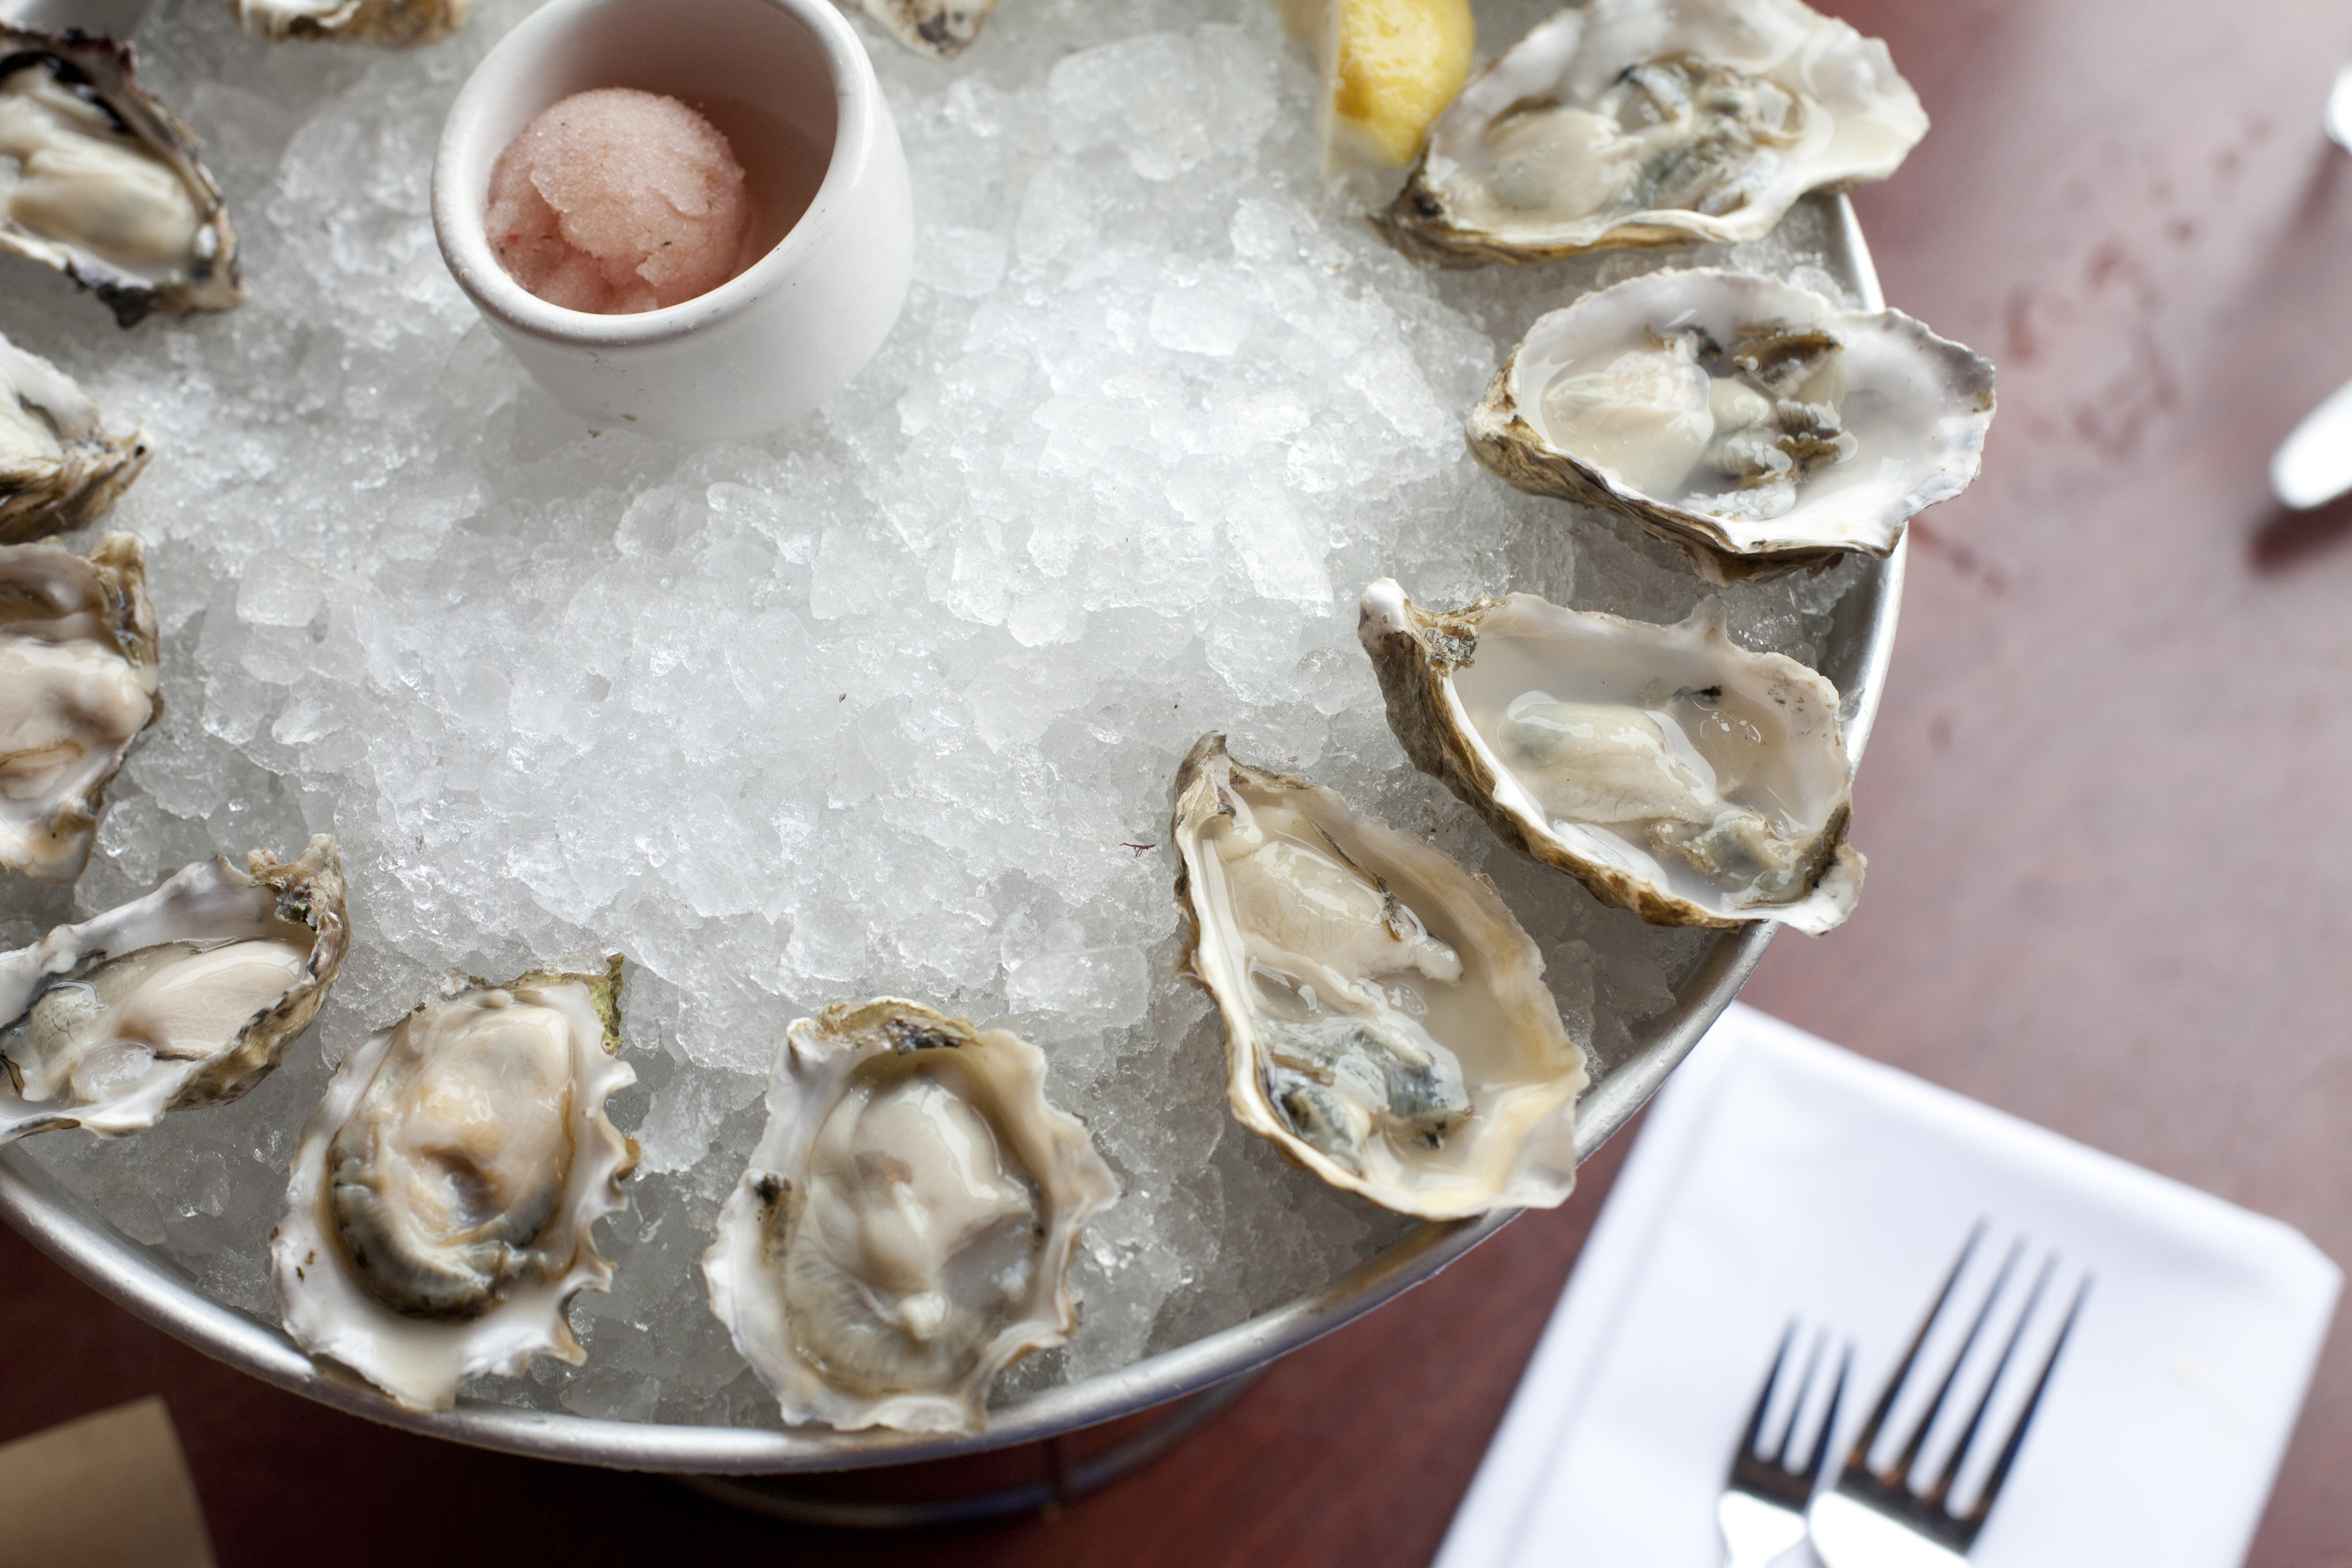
[[438, 1219], [77, 679], [60, 469], [1646, 122], [905, 1229], [1680, 775], [1752, 422], [1386, 1020], [185, 997], [396, 21], [101, 182], [943, 28]]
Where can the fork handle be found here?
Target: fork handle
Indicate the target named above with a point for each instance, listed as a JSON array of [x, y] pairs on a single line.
[[1851, 1534], [1756, 1533]]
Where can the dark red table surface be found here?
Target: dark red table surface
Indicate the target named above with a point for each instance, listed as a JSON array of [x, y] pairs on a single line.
[[2106, 808]]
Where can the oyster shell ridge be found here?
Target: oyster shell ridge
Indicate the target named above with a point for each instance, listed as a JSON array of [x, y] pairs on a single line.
[[1504, 444], [416, 1359], [93, 470], [395, 23], [109, 69], [55, 846], [1413, 650], [1541, 1174], [306, 891], [744, 1265], [1421, 222]]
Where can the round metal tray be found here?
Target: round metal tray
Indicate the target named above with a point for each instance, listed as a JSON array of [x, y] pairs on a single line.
[[146, 1284]]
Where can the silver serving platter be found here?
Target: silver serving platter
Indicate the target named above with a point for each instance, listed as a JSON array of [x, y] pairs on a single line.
[[144, 1282]]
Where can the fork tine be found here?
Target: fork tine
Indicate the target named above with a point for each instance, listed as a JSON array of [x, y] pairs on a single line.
[[1797, 1405], [1969, 1434], [1910, 1456], [1858, 1457], [2025, 1416], [1829, 1420], [1754, 1442]]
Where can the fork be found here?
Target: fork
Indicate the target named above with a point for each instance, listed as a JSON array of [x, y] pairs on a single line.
[[1763, 1508], [1874, 1518]]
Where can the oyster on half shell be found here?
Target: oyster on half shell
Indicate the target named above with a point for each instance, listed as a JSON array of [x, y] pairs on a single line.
[[392, 22], [60, 469], [77, 679], [941, 28], [1648, 123], [905, 1229], [1755, 424], [101, 182], [185, 997], [1679, 775], [437, 1222], [1387, 1025]]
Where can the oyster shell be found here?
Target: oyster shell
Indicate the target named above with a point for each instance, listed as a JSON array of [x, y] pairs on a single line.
[[941, 28], [185, 997], [1386, 1021], [438, 1219], [77, 678], [1680, 775], [60, 469], [101, 182], [1754, 423], [394, 22], [1646, 122], [905, 1229]]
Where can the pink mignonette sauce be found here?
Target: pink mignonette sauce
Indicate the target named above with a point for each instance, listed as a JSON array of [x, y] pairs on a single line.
[[615, 200]]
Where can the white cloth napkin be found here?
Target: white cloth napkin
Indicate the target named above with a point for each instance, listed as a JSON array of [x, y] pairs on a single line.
[[1781, 1178]]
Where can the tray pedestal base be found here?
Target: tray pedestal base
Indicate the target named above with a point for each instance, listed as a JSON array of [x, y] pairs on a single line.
[[1032, 1478]]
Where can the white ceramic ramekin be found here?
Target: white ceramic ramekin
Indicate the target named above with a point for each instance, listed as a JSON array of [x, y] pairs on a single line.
[[773, 341]]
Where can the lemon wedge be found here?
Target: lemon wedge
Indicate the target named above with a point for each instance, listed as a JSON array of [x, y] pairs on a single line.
[[1389, 67]]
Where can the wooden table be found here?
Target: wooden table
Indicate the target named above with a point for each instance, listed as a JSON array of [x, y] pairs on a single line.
[[2106, 809]]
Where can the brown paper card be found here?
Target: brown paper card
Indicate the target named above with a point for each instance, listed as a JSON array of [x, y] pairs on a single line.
[[109, 1490]]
